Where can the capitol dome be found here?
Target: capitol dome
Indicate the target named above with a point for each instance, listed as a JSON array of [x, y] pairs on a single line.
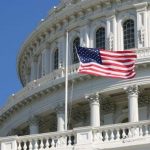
[[103, 113]]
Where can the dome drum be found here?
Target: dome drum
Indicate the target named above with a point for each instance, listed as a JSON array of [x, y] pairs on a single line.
[[103, 112]]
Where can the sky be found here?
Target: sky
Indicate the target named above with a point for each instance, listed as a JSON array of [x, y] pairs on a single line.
[[18, 18]]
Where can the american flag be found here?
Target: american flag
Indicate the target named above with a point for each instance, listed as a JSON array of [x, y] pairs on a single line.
[[115, 64]]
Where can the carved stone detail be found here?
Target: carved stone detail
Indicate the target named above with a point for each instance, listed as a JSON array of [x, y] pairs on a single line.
[[141, 35], [132, 90], [93, 98], [110, 40]]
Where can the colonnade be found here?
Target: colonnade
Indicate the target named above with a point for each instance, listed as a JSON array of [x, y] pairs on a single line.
[[94, 101]]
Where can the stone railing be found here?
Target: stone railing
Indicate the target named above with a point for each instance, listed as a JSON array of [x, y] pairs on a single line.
[[117, 135]]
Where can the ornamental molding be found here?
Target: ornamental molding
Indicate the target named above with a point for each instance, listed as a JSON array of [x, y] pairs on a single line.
[[141, 35], [96, 97], [132, 90]]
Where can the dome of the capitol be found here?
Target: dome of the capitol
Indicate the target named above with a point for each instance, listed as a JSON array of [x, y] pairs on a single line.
[[60, 108]]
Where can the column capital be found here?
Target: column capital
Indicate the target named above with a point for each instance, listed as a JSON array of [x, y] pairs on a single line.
[[132, 90], [92, 98], [96, 97]]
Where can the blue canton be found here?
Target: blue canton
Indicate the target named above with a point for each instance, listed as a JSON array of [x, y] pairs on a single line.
[[87, 55]]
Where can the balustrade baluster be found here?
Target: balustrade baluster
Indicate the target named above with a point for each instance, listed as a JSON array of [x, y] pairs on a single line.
[[106, 136], [95, 136], [129, 132], [112, 135], [118, 135], [146, 130], [101, 138], [36, 144], [53, 143], [41, 144], [123, 133], [140, 131], [69, 140], [30, 145], [58, 144], [19, 145], [25, 145], [47, 143], [136, 131]]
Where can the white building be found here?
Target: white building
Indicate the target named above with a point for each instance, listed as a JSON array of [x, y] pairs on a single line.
[[104, 113]]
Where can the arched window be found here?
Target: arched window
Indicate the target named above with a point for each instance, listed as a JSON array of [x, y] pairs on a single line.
[[56, 59], [128, 34], [76, 43], [100, 38]]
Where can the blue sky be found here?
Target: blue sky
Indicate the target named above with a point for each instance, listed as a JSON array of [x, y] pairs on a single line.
[[18, 18]]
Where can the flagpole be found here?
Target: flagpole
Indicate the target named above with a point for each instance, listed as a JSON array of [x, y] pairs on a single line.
[[66, 84]]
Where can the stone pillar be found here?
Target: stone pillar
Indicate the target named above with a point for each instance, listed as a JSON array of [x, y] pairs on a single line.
[[132, 92], [47, 61], [95, 109], [84, 36], [142, 28], [60, 109], [111, 35], [34, 125], [34, 69]]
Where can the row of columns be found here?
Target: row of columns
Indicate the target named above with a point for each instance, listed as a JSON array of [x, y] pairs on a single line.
[[94, 100]]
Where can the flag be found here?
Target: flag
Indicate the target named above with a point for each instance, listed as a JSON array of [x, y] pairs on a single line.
[[115, 64]]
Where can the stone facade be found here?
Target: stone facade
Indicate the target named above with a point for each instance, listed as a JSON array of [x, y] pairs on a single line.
[[98, 102]]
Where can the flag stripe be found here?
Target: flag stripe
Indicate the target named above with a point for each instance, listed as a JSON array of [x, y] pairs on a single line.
[[131, 75], [118, 64], [114, 72]]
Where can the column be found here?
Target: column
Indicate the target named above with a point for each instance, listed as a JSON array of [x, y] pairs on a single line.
[[95, 109], [62, 49], [84, 36], [34, 69], [142, 22], [34, 125], [132, 92], [60, 109], [111, 31]]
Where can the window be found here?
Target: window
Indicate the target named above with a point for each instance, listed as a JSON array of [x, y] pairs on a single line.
[[56, 59], [76, 43], [128, 32], [100, 38]]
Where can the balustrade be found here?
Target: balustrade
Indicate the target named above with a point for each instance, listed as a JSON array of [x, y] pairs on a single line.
[[68, 139], [45, 141]]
